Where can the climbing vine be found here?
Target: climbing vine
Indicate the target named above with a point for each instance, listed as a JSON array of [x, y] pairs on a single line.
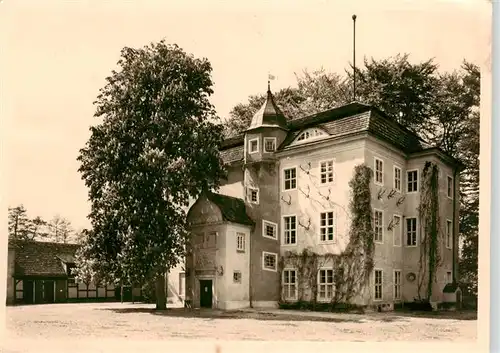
[[352, 267], [428, 210]]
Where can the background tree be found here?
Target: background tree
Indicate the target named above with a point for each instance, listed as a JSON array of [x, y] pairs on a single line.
[[18, 223], [316, 91], [38, 228], [156, 146], [60, 230]]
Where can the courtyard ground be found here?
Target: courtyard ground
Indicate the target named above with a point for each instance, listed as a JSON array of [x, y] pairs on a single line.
[[111, 321]]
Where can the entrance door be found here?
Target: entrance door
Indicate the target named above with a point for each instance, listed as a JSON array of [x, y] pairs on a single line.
[[206, 293], [48, 291], [38, 292], [28, 287]]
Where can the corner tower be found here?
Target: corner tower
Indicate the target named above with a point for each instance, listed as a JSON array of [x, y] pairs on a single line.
[[267, 131]]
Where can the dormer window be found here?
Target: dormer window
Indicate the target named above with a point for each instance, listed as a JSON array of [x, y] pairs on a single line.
[[311, 134], [269, 144], [253, 146]]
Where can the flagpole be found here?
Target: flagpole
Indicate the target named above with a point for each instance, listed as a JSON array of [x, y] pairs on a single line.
[[354, 56]]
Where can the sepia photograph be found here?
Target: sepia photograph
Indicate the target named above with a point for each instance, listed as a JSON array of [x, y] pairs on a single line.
[[241, 171]]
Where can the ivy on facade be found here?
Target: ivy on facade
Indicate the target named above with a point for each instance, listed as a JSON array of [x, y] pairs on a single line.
[[351, 268]]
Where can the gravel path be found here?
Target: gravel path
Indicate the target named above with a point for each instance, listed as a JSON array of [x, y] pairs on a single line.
[[105, 321]]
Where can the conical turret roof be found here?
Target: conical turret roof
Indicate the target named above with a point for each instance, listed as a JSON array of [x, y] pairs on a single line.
[[269, 115]]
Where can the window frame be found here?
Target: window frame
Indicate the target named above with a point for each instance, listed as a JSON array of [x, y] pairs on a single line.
[[264, 229], [449, 234], [237, 280], [285, 179], [449, 187], [249, 196], [396, 167], [275, 255], [238, 236], [334, 226], [284, 230], [397, 286], [375, 240], [332, 161], [416, 232], [286, 286], [381, 284], [375, 160], [326, 284], [418, 181], [250, 145], [266, 139], [206, 238]]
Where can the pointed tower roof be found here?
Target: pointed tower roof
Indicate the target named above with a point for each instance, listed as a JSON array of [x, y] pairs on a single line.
[[269, 115]]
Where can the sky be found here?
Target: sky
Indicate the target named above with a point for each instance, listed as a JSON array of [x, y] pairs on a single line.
[[55, 56]]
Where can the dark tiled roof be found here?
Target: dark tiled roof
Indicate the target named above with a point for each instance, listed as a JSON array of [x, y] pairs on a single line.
[[34, 258], [345, 120], [232, 208], [233, 154], [268, 115]]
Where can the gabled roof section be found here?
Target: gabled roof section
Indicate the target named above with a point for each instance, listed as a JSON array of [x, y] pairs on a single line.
[[34, 258], [233, 209], [345, 120], [269, 115]]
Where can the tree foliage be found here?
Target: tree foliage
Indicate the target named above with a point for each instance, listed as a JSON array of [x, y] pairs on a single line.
[[155, 147], [22, 227]]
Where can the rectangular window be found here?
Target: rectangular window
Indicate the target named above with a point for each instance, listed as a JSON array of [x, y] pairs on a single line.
[[269, 144], [449, 234], [379, 171], [290, 178], [253, 195], [379, 226], [290, 284], [449, 187], [269, 229], [449, 278], [325, 285], [378, 285], [182, 284], [240, 242], [211, 240], [396, 229], [253, 146], [326, 172], [411, 232], [397, 178], [397, 284], [269, 261], [290, 230], [326, 226], [237, 277], [412, 180]]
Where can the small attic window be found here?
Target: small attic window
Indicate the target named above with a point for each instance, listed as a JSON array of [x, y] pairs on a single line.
[[311, 134]]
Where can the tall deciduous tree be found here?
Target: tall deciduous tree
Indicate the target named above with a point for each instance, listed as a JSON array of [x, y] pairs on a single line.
[[156, 146]]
